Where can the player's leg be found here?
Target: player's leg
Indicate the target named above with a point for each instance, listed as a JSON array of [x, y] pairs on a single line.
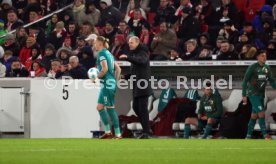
[[208, 128], [104, 116], [110, 105], [261, 117], [251, 125], [255, 109], [188, 122]]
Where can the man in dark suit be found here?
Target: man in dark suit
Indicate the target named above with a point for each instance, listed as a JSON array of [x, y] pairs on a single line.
[[140, 71]]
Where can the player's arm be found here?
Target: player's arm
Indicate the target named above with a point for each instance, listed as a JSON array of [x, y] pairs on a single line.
[[104, 69], [246, 79], [219, 107], [117, 70]]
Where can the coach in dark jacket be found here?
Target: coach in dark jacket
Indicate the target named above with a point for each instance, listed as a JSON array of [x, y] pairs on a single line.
[[140, 70]]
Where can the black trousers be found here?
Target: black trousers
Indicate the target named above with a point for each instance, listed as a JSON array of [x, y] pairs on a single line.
[[140, 107]]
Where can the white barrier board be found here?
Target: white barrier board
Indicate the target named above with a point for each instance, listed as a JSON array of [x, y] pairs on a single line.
[[59, 111]]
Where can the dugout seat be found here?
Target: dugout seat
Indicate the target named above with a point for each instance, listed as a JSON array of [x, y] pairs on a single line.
[[270, 113]]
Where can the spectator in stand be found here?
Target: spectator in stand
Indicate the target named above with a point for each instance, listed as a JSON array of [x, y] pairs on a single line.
[[17, 69], [119, 46], [2, 70], [87, 58], [91, 13], [183, 4], [227, 52], [175, 55], [11, 44], [33, 13], [35, 56], [271, 50], [227, 11], [229, 32], [163, 41], [109, 12], [204, 12], [80, 44], [203, 39], [132, 6], [38, 69], [48, 56], [20, 7], [187, 26], [109, 30], [7, 60], [6, 5], [55, 69], [266, 34], [266, 11], [87, 28], [249, 30], [21, 36], [165, 12], [3, 31], [12, 20], [243, 40], [248, 52], [76, 71], [63, 54], [123, 28], [78, 8], [67, 18], [146, 35], [205, 53], [136, 22], [121, 6], [67, 42], [73, 32], [58, 35], [91, 42], [51, 24], [191, 50], [25, 52], [38, 33]]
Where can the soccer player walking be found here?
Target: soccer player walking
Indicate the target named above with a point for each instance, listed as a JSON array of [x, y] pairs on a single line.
[[253, 87], [109, 73]]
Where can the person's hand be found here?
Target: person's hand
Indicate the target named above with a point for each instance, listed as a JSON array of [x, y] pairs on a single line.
[[63, 68], [244, 100], [123, 56], [69, 67]]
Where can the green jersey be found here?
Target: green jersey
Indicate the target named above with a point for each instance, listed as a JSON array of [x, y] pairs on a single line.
[[165, 97], [192, 94], [109, 77], [211, 105], [255, 80]]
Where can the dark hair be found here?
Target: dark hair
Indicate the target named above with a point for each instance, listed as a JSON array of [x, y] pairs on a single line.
[[16, 60], [261, 51]]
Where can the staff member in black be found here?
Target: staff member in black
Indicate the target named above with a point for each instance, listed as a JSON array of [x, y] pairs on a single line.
[[140, 68]]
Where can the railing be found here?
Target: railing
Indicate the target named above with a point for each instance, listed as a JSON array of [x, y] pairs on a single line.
[[41, 19]]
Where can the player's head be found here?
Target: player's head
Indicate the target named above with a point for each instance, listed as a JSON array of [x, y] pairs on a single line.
[[261, 56], [208, 89], [133, 42], [101, 42]]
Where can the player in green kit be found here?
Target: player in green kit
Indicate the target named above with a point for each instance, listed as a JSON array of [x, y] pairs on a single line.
[[108, 75], [253, 87]]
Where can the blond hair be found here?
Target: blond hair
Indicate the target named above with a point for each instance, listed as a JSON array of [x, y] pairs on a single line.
[[104, 41]]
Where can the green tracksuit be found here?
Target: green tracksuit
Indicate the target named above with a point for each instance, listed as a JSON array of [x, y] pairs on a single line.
[[165, 97], [211, 105], [253, 86]]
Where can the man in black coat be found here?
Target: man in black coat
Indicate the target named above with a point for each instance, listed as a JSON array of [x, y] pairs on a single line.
[[76, 71], [140, 70], [17, 70]]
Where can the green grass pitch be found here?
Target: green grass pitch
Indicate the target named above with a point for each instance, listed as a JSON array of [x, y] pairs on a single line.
[[129, 151]]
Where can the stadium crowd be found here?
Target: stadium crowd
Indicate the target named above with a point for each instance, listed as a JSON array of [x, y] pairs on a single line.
[[175, 30]]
